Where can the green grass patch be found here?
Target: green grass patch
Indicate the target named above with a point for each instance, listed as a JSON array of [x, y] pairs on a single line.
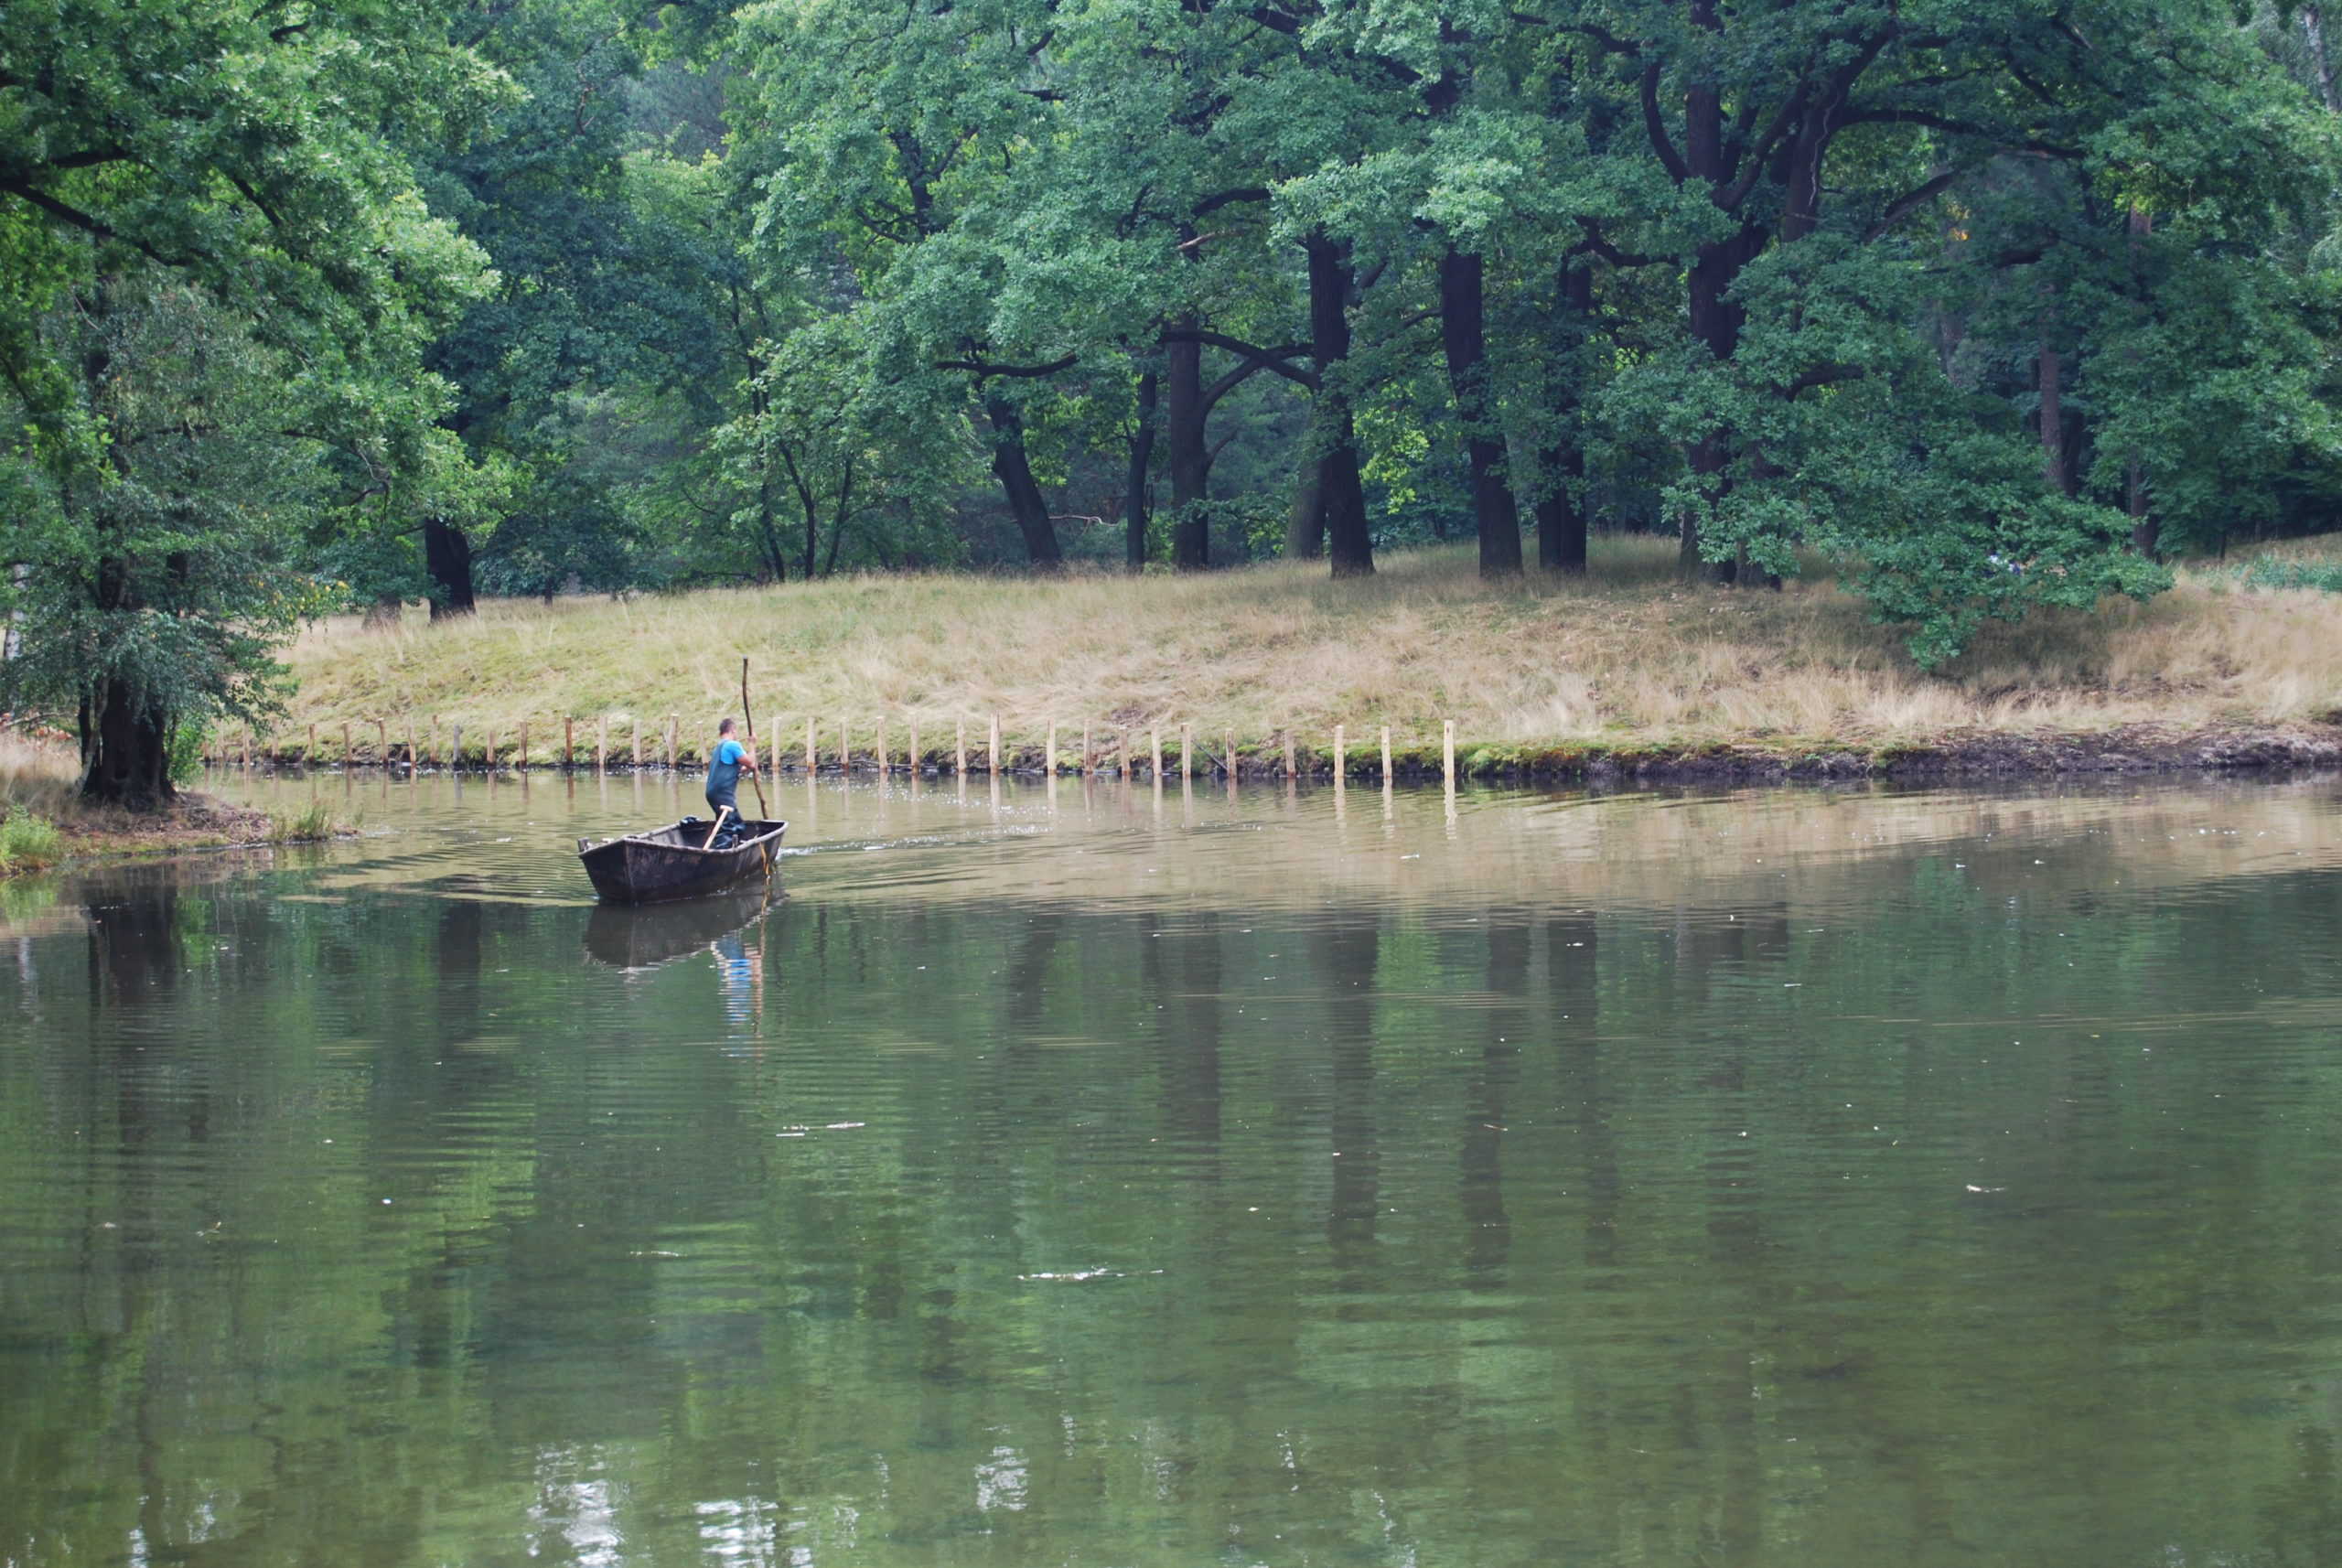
[[2273, 573], [28, 842]]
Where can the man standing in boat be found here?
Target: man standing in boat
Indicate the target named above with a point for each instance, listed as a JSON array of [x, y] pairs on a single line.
[[725, 765]]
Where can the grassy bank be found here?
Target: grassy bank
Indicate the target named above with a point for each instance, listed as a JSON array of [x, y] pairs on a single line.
[[1625, 662], [43, 822]]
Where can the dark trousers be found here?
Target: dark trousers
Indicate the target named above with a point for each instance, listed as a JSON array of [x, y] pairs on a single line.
[[720, 801]]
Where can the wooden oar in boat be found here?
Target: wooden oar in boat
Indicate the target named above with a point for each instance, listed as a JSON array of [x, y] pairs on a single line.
[[721, 812]]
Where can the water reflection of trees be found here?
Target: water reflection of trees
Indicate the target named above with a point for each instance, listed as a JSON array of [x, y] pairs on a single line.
[[1548, 1292]]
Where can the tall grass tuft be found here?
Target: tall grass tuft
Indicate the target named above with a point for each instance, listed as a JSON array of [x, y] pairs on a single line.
[[310, 825], [28, 842]]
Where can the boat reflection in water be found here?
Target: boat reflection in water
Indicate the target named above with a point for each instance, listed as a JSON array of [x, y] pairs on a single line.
[[638, 937]]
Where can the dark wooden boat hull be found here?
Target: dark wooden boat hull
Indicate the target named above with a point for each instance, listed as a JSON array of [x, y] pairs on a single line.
[[667, 863]]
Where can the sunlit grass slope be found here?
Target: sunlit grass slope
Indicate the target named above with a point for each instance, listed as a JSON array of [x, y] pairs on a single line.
[[1627, 656]]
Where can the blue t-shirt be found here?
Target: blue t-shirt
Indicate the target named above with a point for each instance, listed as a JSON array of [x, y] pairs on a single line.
[[723, 767]]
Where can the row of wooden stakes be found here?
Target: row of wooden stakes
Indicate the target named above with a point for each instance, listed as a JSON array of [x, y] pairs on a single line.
[[1121, 759]]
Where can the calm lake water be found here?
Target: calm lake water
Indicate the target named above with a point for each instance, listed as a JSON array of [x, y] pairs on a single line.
[[1108, 1177]]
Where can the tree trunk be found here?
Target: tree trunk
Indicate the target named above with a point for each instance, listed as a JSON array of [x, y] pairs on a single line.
[[1188, 453], [127, 752], [1463, 310], [1305, 525], [813, 538], [838, 516], [2053, 419], [1560, 513], [447, 556], [1348, 544], [2146, 530], [1716, 321], [1134, 510], [1016, 475], [2314, 30]]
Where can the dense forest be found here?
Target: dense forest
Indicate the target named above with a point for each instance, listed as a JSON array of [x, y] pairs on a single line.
[[312, 306]]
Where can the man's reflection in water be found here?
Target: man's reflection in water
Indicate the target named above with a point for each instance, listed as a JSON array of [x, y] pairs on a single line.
[[740, 973]]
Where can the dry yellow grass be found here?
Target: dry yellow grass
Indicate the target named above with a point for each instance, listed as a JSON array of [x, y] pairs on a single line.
[[1625, 657], [37, 774]]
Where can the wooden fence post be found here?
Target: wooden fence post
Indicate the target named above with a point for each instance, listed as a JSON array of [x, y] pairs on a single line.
[[673, 721], [959, 750], [1052, 761], [488, 757], [634, 757], [569, 740], [410, 743], [1386, 754], [602, 743], [455, 748], [345, 743], [1341, 751], [435, 738], [812, 746], [1447, 750], [1288, 753], [1227, 749], [309, 758], [913, 722], [520, 760], [993, 756], [1085, 769], [1155, 738], [1187, 752]]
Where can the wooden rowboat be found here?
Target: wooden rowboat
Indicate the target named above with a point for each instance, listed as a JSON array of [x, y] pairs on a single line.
[[667, 863]]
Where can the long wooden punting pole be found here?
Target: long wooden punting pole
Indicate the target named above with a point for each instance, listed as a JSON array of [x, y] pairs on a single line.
[[749, 719]]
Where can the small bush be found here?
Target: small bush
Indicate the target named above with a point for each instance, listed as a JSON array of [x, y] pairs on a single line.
[[184, 756]]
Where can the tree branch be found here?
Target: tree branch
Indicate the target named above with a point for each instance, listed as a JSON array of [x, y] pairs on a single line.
[[1217, 199], [1820, 376], [1954, 127], [82, 221], [1277, 360], [1595, 244], [984, 369], [1611, 43], [1672, 160], [1911, 201], [1762, 151]]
